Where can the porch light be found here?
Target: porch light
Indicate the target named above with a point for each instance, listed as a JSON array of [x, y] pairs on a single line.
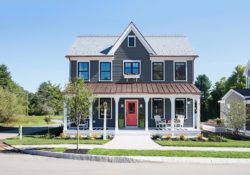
[[122, 105], [141, 106]]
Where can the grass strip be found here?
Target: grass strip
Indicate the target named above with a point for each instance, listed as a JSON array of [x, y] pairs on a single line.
[[166, 153], [39, 140]]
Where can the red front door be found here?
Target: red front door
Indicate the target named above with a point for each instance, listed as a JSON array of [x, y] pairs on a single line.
[[131, 113]]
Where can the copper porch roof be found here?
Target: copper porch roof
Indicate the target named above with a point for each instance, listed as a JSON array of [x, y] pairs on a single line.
[[143, 88]]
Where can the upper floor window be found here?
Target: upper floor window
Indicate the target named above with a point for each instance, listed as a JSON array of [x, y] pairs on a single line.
[[180, 71], [158, 73], [131, 41], [131, 68], [83, 70], [105, 70], [101, 108]]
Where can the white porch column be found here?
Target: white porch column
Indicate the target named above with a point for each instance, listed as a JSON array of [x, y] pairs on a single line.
[[116, 113], [65, 118], [172, 99], [194, 118], [198, 114], [91, 117], [146, 99]]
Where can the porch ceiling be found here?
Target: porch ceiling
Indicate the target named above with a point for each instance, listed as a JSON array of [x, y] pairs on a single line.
[[144, 88]]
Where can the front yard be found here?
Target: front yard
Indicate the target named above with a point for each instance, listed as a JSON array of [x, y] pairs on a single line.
[[29, 121], [42, 140]]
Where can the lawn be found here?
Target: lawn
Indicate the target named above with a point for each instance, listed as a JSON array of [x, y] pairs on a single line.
[[41, 140], [189, 143], [29, 121], [114, 152]]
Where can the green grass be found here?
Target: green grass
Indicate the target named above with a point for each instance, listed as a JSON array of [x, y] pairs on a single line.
[[113, 152], [39, 140], [29, 121], [228, 143]]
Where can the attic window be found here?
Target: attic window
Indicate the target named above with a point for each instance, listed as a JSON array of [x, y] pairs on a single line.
[[131, 41]]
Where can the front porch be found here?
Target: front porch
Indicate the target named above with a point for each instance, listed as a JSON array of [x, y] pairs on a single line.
[[162, 108]]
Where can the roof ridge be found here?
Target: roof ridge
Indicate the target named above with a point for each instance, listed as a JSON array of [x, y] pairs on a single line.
[[174, 35]]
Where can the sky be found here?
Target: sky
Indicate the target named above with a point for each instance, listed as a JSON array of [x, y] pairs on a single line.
[[36, 35]]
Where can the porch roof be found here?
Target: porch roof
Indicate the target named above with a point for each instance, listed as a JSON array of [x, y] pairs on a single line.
[[144, 88]]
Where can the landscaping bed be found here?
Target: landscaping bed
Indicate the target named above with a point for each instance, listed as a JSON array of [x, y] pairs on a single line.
[[211, 140], [162, 153]]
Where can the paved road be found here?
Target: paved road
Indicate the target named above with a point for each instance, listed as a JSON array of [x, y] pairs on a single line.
[[18, 164]]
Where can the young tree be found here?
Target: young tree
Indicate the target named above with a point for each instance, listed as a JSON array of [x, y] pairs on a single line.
[[204, 84], [9, 105], [78, 98], [48, 119], [235, 116]]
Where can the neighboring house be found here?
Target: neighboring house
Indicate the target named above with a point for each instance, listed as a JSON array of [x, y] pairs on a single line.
[[140, 77], [238, 95]]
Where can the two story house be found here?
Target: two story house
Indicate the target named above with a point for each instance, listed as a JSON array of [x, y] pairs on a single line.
[[142, 79], [238, 95]]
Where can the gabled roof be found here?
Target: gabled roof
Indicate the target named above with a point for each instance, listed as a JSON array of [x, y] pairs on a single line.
[[243, 92], [171, 45], [131, 27]]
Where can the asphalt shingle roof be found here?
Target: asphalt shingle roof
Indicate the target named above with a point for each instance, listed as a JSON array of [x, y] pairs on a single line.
[[162, 45], [244, 92]]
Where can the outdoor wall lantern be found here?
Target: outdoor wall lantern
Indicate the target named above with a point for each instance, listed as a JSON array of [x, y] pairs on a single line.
[[141, 106], [122, 105]]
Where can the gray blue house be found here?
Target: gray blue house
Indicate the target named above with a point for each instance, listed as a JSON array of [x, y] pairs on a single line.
[[140, 77]]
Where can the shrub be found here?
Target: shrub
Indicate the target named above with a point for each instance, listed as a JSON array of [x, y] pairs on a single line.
[[63, 136], [156, 136], [219, 121], [216, 138], [96, 136], [121, 121], [84, 137], [200, 137], [166, 137], [182, 137]]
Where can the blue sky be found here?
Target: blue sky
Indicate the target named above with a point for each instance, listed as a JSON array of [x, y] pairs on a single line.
[[35, 35]]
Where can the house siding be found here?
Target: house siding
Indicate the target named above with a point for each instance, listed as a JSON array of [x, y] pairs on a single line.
[[73, 69], [189, 121]]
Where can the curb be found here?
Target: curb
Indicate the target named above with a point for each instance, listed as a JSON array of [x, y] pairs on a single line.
[[112, 159]]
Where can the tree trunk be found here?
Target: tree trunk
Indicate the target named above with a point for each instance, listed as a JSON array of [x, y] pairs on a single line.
[[77, 146]]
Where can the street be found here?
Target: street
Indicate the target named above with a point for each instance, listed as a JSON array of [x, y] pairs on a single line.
[[18, 164]]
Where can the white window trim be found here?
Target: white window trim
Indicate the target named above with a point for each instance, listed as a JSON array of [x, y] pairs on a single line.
[[153, 71], [110, 109], [174, 71], [78, 68], [111, 70], [164, 115], [129, 61], [132, 36], [186, 117]]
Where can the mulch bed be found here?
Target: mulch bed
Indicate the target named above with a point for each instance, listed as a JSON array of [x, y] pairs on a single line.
[[80, 151]]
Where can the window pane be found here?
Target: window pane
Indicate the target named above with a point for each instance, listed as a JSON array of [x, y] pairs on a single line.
[[180, 107], [83, 67], [84, 75], [158, 107], [105, 66], [108, 100], [131, 108], [180, 71], [131, 41], [136, 65], [136, 71], [158, 66], [158, 76], [105, 76]]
